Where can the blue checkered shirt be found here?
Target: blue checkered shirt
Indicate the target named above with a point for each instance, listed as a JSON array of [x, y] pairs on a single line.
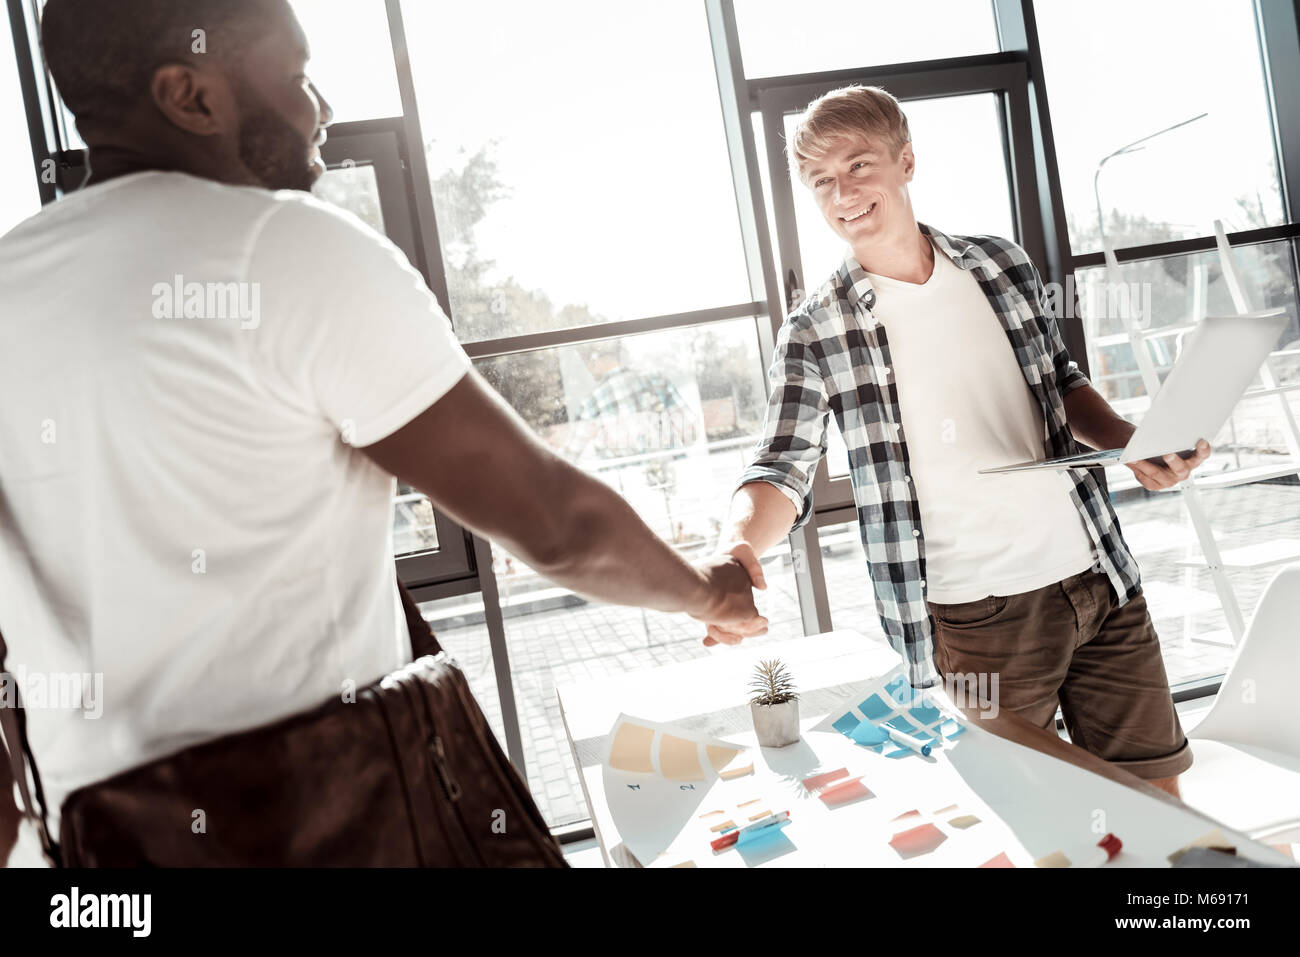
[[832, 358]]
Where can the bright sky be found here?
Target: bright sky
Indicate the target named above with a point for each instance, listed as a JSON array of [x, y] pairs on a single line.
[[606, 126]]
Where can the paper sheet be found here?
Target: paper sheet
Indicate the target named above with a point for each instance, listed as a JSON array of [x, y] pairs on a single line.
[[656, 777]]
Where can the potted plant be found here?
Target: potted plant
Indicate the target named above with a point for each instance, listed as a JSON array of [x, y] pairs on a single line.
[[775, 705]]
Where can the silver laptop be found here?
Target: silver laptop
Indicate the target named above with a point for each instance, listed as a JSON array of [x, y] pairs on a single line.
[[1219, 359]]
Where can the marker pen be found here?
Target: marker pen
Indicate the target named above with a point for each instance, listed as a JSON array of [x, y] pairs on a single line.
[[907, 741], [731, 837]]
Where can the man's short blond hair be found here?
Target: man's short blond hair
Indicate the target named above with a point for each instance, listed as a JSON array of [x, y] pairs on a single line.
[[850, 112]]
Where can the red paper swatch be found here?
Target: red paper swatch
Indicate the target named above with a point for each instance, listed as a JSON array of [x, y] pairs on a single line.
[[821, 780], [917, 841], [844, 791]]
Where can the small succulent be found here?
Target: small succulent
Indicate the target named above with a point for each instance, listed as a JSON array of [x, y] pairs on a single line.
[[771, 683]]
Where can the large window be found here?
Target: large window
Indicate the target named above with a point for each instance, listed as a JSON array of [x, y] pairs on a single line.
[[1119, 71], [351, 57], [778, 38], [578, 162], [1162, 127], [19, 197]]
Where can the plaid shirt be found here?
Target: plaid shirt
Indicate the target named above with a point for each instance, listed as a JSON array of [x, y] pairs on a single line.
[[631, 413], [832, 357]]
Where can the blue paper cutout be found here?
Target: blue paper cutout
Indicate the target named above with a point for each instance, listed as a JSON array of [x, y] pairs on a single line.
[[846, 724], [925, 713], [868, 734], [901, 724], [875, 708]]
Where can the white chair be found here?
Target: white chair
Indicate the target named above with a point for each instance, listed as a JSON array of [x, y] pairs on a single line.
[[1246, 767]]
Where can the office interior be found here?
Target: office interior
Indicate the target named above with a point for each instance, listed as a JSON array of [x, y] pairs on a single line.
[[586, 183]]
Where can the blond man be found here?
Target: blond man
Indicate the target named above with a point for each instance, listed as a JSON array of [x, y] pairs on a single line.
[[937, 358]]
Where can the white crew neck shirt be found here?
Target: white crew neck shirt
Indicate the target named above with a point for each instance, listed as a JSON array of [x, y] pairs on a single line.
[[183, 507], [965, 406]]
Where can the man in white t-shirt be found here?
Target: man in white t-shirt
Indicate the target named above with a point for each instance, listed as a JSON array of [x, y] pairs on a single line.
[[210, 380], [938, 357]]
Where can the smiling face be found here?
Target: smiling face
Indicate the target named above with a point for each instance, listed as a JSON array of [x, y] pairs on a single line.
[[861, 189], [283, 116]]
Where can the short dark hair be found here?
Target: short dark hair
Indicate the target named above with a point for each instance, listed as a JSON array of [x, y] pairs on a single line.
[[103, 53]]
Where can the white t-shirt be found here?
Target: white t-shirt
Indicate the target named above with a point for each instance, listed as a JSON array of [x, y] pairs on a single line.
[[965, 406], [184, 512]]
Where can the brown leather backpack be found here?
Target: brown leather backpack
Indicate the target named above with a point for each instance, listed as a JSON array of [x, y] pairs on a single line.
[[408, 775]]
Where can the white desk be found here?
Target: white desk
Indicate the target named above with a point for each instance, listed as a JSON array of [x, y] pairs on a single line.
[[1034, 797]]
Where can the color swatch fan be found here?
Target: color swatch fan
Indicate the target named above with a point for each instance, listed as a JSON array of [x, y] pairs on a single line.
[[655, 777]]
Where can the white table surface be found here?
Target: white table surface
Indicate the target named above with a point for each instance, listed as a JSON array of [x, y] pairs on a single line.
[[1029, 803]]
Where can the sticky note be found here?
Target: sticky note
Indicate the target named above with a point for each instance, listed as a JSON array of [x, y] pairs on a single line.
[[685, 864], [868, 734], [818, 781], [1055, 859], [842, 792], [724, 826], [748, 803], [875, 708], [760, 815], [1000, 861], [630, 750], [917, 841], [906, 814], [899, 753], [738, 769], [964, 821], [761, 833], [945, 810], [846, 724], [925, 713], [950, 728], [900, 723]]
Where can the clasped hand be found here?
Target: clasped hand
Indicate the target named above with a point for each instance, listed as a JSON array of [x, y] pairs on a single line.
[[731, 615]]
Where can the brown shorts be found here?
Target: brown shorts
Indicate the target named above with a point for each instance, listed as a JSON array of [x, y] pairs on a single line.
[[1071, 643]]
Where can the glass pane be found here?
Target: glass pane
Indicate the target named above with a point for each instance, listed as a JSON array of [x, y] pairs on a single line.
[[19, 197], [668, 420], [1109, 87], [586, 178], [356, 189], [351, 57], [1165, 295], [957, 141], [459, 625], [778, 38]]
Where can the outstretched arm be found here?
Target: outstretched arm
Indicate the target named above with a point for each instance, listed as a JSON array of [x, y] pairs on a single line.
[[482, 465]]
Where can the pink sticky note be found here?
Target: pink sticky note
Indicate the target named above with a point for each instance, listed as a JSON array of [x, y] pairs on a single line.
[[842, 792], [821, 780], [917, 841], [1000, 861]]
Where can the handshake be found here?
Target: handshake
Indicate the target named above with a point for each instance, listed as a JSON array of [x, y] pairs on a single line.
[[727, 605]]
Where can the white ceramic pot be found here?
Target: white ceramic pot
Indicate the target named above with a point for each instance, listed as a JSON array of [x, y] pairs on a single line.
[[776, 725]]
